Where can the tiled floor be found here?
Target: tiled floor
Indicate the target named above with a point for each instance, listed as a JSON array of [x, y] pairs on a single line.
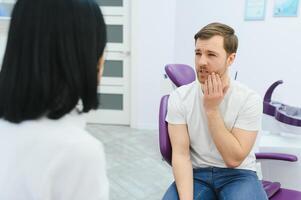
[[134, 165]]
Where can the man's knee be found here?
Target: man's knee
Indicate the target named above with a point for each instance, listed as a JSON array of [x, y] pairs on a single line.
[[171, 193], [243, 190]]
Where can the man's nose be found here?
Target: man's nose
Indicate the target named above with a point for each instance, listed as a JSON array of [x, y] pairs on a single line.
[[202, 61]]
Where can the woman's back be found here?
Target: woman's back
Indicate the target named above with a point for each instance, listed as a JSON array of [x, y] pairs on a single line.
[[47, 159]]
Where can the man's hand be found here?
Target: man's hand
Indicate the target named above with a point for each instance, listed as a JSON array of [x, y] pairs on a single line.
[[214, 91]]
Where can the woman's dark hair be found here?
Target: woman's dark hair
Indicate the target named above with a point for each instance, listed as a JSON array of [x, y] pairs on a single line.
[[51, 58]]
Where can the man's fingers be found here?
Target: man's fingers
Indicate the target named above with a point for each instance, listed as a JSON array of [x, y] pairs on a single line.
[[206, 87], [210, 84], [214, 83], [219, 83]]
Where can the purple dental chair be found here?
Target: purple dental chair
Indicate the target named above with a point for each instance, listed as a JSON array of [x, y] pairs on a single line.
[[181, 74]]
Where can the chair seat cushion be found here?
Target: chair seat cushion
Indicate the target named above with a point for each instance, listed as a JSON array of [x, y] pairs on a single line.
[[271, 188], [286, 194]]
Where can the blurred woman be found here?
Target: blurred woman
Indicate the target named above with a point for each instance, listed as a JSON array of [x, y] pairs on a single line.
[[53, 60]]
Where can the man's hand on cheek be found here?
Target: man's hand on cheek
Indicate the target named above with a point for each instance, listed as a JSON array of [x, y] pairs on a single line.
[[213, 90]]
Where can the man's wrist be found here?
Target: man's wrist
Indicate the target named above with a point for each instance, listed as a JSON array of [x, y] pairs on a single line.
[[212, 112]]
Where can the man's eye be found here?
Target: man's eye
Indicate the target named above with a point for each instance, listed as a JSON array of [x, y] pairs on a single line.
[[197, 54], [211, 54]]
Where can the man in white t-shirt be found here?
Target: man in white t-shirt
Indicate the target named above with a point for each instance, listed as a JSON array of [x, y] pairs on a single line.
[[213, 124]]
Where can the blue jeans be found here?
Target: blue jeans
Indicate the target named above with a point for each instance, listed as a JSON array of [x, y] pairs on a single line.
[[222, 184]]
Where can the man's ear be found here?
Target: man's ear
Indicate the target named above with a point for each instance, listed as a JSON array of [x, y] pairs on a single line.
[[231, 59]]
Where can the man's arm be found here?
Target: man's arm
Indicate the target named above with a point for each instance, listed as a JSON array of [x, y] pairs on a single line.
[[181, 163], [233, 147]]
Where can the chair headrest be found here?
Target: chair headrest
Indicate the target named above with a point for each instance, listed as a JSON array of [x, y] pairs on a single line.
[[180, 74]]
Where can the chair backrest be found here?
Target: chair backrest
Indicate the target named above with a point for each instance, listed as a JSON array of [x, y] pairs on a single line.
[[180, 74], [164, 141]]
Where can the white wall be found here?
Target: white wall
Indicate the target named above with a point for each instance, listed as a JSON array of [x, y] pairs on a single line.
[[269, 50], [4, 25], [152, 46]]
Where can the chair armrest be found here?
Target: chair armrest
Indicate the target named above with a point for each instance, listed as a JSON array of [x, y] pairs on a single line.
[[277, 156]]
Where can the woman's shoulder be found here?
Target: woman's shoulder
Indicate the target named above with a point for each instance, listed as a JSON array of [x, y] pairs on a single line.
[[68, 132]]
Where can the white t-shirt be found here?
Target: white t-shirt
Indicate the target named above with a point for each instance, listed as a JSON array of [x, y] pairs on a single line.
[[240, 108], [51, 160]]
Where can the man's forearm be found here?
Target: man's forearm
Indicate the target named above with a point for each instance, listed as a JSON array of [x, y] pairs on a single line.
[[182, 170], [226, 143]]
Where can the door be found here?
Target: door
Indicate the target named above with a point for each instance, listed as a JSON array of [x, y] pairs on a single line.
[[113, 92]]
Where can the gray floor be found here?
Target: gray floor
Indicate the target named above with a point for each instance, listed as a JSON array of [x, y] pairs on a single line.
[[134, 165]]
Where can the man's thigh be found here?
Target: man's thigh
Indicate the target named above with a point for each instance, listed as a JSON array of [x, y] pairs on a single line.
[[200, 191], [244, 186]]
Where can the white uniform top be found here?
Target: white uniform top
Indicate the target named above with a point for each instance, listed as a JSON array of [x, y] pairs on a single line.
[[51, 160], [240, 108]]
